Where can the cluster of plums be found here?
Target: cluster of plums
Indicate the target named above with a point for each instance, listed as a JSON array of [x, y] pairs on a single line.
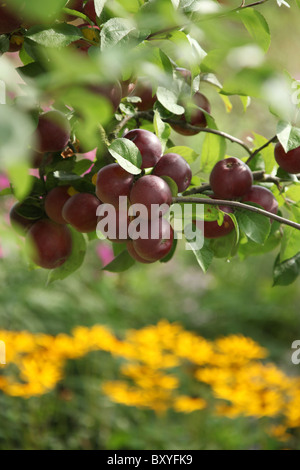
[[49, 240], [232, 179]]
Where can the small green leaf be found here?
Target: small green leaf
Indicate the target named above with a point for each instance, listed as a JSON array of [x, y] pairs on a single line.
[[82, 166], [32, 9], [224, 247], [127, 155], [115, 31], [291, 238], [213, 150], [169, 100], [162, 129], [288, 135], [4, 43], [257, 26], [186, 152], [172, 185], [59, 35], [204, 255], [267, 153], [121, 263], [285, 273], [99, 5], [255, 226]]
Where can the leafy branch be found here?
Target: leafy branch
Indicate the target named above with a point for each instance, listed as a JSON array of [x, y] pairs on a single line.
[[237, 205]]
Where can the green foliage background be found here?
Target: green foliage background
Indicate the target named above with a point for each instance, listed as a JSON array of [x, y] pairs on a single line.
[[235, 297]]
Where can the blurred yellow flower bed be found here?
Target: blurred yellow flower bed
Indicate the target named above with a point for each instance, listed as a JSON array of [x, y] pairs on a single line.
[[231, 376]]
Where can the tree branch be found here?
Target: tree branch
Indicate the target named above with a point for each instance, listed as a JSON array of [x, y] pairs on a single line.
[[237, 205], [258, 176], [255, 152], [148, 115], [254, 4]]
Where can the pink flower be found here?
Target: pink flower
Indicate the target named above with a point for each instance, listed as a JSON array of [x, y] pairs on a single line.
[[105, 253], [4, 181]]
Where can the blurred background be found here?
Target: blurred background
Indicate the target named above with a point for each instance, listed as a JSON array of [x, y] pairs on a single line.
[[233, 298]]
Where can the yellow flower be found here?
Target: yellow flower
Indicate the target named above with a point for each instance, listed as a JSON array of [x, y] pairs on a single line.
[[185, 404]]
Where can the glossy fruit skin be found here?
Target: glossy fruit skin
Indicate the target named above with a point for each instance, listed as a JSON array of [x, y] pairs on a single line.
[[144, 91], [211, 227], [197, 117], [9, 22], [112, 182], [154, 249], [288, 161], [19, 223], [148, 144], [134, 255], [263, 197], [80, 212], [174, 166], [149, 190], [54, 203], [89, 11], [230, 178], [52, 244], [53, 132]]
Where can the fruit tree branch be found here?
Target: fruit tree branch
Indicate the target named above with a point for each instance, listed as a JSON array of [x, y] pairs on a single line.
[[258, 176], [237, 205], [148, 115], [256, 151]]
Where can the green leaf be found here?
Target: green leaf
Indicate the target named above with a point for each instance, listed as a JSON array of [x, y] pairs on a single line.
[[257, 27], [248, 82], [213, 150], [186, 152], [204, 256], [99, 5], [127, 155], [172, 185], [74, 262], [267, 153], [121, 263], [162, 129], [59, 35], [4, 43], [288, 135], [285, 273], [32, 9], [291, 238], [255, 226], [115, 31], [224, 247], [169, 100], [82, 166]]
